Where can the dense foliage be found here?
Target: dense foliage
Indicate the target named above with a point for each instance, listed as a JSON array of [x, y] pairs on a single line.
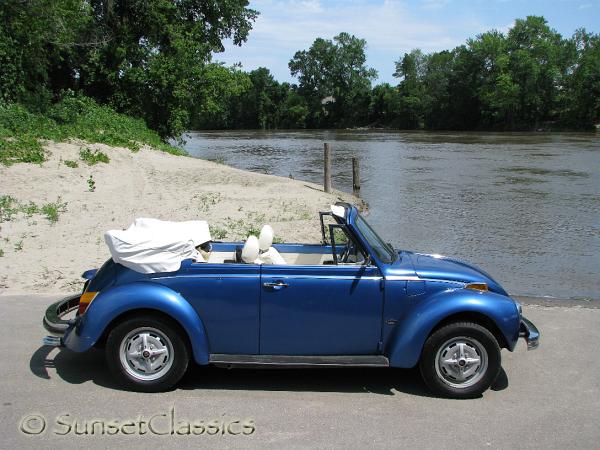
[[528, 79], [151, 59], [145, 58], [72, 117]]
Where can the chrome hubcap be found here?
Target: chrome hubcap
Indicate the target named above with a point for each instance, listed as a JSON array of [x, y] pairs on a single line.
[[146, 354], [461, 362]]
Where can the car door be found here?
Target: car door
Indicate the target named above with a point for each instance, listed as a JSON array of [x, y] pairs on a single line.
[[226, 298], [320, 310]]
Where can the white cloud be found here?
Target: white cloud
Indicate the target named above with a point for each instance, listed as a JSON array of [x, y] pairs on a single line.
[[435, 4], [390, 27]]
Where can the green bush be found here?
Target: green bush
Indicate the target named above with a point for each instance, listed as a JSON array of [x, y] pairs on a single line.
[[24, 148], [8, 207], [93, 157], [73, 117], [52, 210]]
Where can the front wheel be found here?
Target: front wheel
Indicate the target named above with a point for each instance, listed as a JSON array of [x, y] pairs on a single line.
[[460, 360], [147, 354]]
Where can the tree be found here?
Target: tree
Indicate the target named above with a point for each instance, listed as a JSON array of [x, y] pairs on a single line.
[[218, 97], [384, 107], [262, 103], [411, 70], [537, 65], [143, 57], [581, 99], [496, 90], [334, 80], [36, 48]]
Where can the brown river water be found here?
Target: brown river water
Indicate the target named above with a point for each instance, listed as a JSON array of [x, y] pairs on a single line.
[[525, 207]]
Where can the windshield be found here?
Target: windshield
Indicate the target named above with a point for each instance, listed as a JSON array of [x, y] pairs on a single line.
[[385, 252]]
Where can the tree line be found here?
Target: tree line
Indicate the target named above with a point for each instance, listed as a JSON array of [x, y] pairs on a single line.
[[153, 59], [527, 79]]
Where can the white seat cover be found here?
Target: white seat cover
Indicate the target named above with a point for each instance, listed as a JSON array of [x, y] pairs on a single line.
[[268, 254], [251, 250], [265, 239]]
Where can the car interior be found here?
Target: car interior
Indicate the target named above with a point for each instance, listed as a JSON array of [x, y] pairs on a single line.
[[344, 251]]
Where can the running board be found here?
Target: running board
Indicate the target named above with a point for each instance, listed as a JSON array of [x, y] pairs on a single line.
[[293, 361]]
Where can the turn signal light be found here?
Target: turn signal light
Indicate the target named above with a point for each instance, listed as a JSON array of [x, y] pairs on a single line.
[[85, 300], [483, 287]]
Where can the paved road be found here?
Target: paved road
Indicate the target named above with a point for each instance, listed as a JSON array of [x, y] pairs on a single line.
[[548, 398]]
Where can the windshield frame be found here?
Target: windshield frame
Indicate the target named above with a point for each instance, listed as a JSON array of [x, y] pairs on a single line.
[[382, 250]]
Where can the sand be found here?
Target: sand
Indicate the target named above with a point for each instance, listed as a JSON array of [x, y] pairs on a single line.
[[39, 256]]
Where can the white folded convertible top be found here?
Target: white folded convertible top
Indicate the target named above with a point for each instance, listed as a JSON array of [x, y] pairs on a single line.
[[152, 245]]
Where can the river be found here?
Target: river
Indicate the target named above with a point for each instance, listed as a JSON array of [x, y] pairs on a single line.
[[525, 207]]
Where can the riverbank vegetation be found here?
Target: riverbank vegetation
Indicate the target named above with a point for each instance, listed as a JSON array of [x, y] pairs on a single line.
[[105, 71], [530, 78]]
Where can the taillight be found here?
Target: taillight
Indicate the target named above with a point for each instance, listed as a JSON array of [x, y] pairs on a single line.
[[85, 300]]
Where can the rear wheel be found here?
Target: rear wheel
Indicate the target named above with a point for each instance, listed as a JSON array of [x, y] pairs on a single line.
[[460, 360], [147, 354]]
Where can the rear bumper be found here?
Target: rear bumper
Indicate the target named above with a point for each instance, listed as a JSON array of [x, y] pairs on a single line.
[[530, 333], [53, 319]]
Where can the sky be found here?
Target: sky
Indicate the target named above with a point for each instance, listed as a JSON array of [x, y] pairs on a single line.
[[391, 27]]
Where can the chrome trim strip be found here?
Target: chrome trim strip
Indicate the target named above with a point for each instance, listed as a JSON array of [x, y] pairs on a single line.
[[404, 278], [52, 341], [416, 278], [300, 360]]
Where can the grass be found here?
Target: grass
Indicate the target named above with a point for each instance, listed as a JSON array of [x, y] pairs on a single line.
[[217, 233], [8, 208], [19, 246], [93, 157], [242, 228], [52, 211], [207, 200], [73, 117], [91, 184], [30, 209], [71, 164]]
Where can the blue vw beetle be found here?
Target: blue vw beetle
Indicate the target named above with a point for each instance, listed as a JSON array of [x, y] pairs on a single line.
[[351, 301]]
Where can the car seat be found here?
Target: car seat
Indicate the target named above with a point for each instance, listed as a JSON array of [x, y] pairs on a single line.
[[249, 253], [268, 254]]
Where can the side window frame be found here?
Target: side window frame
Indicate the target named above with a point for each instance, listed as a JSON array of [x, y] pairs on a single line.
[[366, 257]]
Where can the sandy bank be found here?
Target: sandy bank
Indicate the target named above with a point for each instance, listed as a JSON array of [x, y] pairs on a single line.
[[45, 257]]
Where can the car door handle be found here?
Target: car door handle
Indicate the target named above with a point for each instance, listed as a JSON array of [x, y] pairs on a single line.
[[277, 284]]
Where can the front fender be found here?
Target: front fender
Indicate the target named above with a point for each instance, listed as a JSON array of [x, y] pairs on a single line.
[[113, 302], [406, 343]]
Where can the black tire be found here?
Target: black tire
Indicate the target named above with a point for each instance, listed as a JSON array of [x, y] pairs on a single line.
[[444, 376], [160, 334]]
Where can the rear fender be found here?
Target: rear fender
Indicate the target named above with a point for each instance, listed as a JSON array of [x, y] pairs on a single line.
[[111, 303], [406, 342]]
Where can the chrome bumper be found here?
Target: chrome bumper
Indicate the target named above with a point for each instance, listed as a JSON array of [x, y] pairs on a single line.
[[531, 334], [54, 322]]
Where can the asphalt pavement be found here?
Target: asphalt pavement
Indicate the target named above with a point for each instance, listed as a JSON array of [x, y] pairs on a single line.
[[547, 398]]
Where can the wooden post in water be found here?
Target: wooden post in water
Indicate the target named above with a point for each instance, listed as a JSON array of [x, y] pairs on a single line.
[[327, 168], [355, 177]]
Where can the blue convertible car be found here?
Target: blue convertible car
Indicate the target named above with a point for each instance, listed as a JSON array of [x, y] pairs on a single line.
[[351, 301]]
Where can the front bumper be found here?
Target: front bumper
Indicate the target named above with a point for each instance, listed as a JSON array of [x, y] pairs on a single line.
[[530, 333], [53, 319]]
